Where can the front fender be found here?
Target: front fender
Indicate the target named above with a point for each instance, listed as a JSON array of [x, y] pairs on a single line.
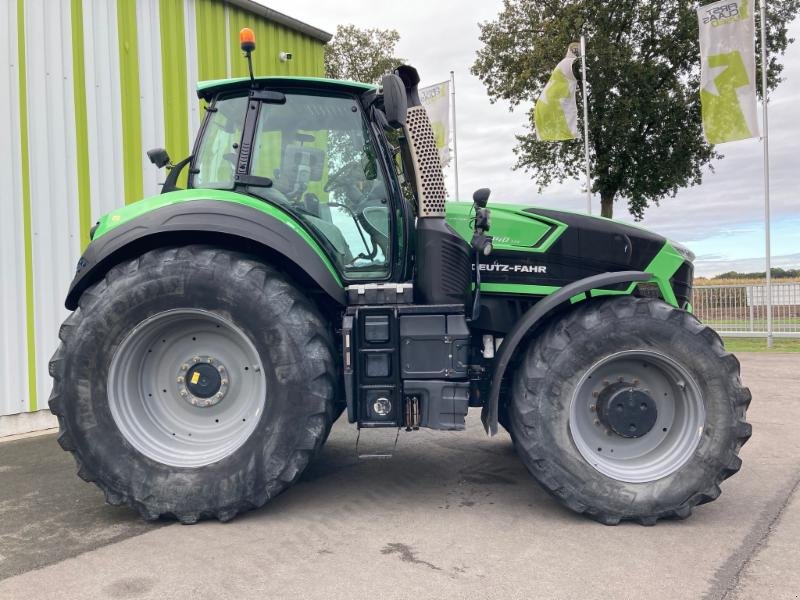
[[531, 318], [184, 219]]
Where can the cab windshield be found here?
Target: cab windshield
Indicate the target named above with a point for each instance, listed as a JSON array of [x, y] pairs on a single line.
[[318, 154]]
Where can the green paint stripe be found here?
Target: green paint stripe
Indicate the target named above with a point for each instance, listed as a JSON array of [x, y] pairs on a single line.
[[129, 86], [174, 74], [26, 206], [81, 131], [519, 288]]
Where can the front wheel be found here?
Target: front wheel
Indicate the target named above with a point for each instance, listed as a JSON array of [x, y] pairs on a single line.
[[629, 408], [193, 382]]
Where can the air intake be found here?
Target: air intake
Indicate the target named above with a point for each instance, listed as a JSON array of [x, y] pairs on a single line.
[[425, 156]]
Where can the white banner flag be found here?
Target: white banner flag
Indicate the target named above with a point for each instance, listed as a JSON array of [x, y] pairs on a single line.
[[436, 100], [556, 113], [728, 80]]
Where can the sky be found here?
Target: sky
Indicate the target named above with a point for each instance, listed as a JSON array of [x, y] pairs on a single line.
[[722, 220]]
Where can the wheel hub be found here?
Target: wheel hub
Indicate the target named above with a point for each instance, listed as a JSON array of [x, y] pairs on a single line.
[[627, 411], [202, 381], [658, 396]]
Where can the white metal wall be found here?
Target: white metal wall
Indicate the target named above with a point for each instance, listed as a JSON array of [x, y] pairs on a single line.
[[150, 88], [61, 209], [101, 53], [13, 343], [51, 151]]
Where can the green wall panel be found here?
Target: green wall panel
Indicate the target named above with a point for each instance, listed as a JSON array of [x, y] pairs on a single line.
[[81, 131], [130, 99], [210, 24], [26, 206], [271, 39], [174, 80]]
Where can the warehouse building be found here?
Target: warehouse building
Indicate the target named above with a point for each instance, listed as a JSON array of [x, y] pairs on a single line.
[[89, 87]]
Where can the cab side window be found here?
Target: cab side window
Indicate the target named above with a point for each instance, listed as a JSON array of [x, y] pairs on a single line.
[[216, 157]]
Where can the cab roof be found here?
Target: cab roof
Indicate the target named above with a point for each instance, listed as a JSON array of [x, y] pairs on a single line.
[[206, 89]]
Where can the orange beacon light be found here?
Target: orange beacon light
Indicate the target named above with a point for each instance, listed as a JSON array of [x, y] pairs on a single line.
[[247, 40]]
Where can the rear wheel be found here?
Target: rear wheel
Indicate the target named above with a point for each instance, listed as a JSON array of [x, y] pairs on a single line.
[[629, 409], [193, 382]]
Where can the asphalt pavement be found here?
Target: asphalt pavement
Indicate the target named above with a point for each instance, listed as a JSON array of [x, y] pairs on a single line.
[[450, 515]]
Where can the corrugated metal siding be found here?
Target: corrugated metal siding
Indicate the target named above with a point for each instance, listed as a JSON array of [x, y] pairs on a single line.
[[91, 85], [174, 80], [129, 83], [13, 345], [103, 102], [54, 177], [151, 94], [271, 40], [211, 52], [189, 26], [81, 118]]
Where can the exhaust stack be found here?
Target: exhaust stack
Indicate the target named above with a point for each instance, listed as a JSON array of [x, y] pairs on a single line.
[[443, 267], [431, 193]]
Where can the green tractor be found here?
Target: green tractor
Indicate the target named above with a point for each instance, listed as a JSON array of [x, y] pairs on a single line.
[[312, 266]]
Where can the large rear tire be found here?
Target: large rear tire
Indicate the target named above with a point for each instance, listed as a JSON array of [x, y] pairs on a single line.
[[193, 382], [628, 408]]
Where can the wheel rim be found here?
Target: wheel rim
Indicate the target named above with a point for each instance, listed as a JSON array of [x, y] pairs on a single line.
[[164, 395], [675, 429]]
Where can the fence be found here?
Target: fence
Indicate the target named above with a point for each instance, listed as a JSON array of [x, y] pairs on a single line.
[[741, 310]]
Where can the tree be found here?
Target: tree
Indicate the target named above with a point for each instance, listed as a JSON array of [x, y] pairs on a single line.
[[361, 54], [644, 75]]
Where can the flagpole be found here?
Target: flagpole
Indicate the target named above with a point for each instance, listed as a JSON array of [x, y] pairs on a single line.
[[455, 137], [765, 117], [586, 128]]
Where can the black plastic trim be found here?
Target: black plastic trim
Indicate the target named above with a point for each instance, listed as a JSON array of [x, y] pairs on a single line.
[[531, 317], [200, 221]]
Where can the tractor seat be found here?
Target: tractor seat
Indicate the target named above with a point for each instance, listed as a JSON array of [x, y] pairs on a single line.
[[300, 165]]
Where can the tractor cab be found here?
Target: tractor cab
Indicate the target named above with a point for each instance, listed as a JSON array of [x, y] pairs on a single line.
[[309, 148]]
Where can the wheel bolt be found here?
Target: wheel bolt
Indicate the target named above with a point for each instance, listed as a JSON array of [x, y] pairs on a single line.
[[596, 422], [221, 369], [184, 393], [592, 407], [606, 382], [180, 379], [196, 359], [635, 382], [184, 367], [595, 394], [224, 382]]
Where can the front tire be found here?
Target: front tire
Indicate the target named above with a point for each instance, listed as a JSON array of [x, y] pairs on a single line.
[[629, 409], [193, 382]]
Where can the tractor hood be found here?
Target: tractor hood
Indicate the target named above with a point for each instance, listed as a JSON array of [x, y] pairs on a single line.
[[538, 250]]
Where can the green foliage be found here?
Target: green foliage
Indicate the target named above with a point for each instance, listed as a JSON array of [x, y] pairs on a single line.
[[361, 54], [644, 103], [736, 344], [776, 272]]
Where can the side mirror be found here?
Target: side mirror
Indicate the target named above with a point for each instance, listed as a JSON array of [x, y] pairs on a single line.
[[395, 104], [159, 157], [481, 197]]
